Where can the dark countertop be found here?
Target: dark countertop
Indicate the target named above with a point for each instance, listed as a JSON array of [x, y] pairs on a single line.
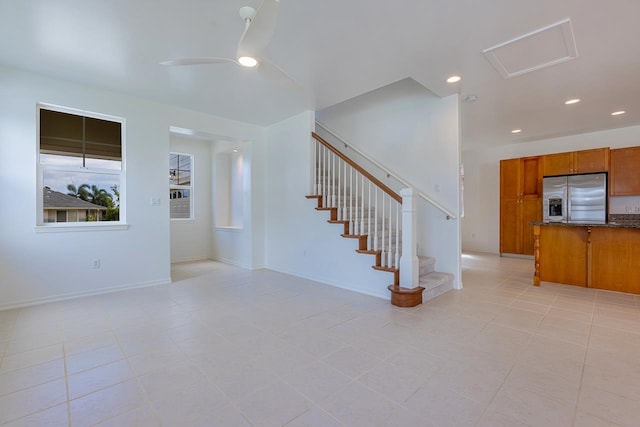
[[613, 224]]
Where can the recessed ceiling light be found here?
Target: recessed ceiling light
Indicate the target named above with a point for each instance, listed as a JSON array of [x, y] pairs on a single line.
[[617, 113], [454, 79], [247, 61], [516, 131], [572, 101], [235, 151]]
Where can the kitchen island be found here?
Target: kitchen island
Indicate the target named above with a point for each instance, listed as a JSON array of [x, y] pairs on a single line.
[[601, 256]]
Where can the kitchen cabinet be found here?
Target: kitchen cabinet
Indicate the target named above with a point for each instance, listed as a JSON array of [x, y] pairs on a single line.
[[520, 203], [593, 256], [615, 254], [624, 175], [584, 161], [563, 255]]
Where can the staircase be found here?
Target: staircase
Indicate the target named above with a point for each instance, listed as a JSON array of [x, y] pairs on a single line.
[[370, 213]]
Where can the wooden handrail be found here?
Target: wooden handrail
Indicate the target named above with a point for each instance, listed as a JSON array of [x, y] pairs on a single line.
[[395, 196]]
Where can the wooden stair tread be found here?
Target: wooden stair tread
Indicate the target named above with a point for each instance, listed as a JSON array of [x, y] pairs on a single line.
[[389, 269], [369, 252]]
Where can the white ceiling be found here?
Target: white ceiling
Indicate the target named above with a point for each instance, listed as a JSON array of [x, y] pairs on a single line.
[[339, 49]]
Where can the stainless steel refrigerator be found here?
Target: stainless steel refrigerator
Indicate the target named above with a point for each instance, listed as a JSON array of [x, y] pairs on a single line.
[[575, 198]]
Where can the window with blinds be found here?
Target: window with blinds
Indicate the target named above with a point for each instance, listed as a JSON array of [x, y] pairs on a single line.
[[79, 166]]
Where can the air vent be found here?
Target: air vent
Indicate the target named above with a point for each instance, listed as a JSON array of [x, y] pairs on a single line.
[[538, 49]]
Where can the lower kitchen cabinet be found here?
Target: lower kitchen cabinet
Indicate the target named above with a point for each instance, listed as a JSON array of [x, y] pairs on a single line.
[[616, 259], [563, 255], [600, 257]]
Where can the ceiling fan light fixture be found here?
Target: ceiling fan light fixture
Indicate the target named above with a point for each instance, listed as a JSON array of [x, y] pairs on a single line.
[[247, 61]]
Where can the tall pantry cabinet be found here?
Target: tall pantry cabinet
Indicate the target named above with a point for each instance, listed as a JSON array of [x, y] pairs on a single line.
[[520, 203]]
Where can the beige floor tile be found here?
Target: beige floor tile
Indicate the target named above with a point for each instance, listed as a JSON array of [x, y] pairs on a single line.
[[93, 358], [138, 417], [609, 407], [105, 404], [24, 378], [30, 358], [562, 358], [95, 379], [443, 407], [352, 361], [52, 417], [317, 381], [544, 383], [612, 374], [357, 405], [315, 417], [240, 378], [274, 405], [32, 400], [499, 352], [529, 408]]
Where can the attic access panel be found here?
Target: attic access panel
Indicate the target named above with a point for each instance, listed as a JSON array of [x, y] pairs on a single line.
[[538, 49]]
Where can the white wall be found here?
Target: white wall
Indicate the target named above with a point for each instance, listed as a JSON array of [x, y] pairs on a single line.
[[415, 134], [299, 240], [190, 238], [238, 238], [37, 267], [480, 226]]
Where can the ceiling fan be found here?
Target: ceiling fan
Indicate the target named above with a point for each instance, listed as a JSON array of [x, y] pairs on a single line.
[[259, 28]]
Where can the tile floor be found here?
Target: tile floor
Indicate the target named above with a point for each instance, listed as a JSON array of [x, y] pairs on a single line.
[[228, 347]]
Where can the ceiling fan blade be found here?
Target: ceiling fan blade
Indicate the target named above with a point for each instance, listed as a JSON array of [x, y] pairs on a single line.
[[197, 61], [275, 74], [259, 31]]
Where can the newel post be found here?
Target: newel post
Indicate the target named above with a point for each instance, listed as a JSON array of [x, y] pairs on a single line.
[[409, 263]]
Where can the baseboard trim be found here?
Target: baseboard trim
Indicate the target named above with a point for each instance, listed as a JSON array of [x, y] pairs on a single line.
[[82, 294]]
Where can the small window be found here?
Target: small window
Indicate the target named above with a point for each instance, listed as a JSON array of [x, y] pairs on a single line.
[[79, 166], [180, 186]]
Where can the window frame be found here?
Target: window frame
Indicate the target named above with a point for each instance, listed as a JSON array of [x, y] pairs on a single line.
[[177, 187], [41, 225]]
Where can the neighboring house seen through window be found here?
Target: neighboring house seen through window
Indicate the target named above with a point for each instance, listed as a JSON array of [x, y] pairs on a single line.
[[180, 186], [79, 167]]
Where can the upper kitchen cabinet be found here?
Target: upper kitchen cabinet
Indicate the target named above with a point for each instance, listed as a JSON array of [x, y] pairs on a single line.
[[520, 203], [573, 162], [624, 175], [520, 178]]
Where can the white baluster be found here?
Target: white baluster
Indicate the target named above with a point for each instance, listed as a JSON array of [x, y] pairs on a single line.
[[369, 235], [345, 215], [390, 251], [375, 221], [338, 184], [362, 206], [382, 244], [350, 200], [397, 262], [312, 182], [333, 180], [325, 177], [317, 168], [357, 219]]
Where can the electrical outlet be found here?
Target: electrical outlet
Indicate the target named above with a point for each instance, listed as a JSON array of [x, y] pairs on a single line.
[[95, 263]]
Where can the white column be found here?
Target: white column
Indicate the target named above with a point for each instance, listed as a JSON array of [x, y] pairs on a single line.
[[409, 263]]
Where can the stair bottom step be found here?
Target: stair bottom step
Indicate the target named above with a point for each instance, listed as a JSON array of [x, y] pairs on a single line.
[[435, 284]]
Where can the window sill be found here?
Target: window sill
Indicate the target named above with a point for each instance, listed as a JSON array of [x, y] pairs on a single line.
[[230, 228], [55, 228]]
